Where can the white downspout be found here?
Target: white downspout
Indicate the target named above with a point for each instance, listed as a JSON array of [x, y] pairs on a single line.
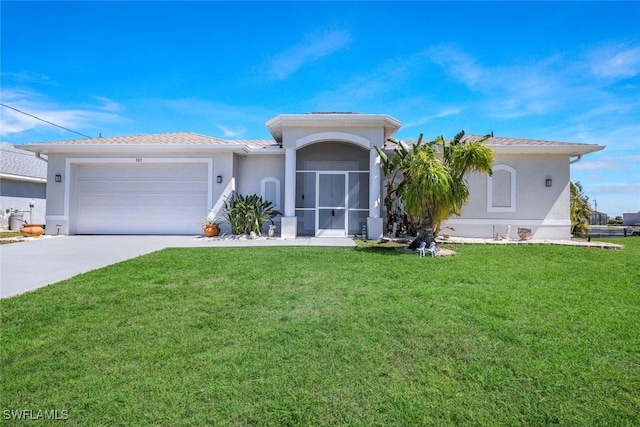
[[576, 160]]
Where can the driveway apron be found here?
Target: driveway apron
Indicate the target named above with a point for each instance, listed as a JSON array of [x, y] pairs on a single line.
[[29, 265]]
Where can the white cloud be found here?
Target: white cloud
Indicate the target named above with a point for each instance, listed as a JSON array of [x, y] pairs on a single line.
[[620, 162], [462, 66], [514, 90], [446, 112], [231, 133], [543, 86], [595, 165], [34, 104], [108, 104], [615, 61], [232, 120], [624, 188], [27, 77], [316, 45]]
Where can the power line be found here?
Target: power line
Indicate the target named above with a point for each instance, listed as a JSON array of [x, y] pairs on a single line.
[[43, 120]]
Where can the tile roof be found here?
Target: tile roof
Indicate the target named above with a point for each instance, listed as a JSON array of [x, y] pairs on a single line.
[[172, 138], [186, 139], [495, 141], [158, 138], [21, 163], [499, 141]]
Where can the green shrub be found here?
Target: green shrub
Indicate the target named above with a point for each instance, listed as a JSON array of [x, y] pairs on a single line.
[[246, 214]]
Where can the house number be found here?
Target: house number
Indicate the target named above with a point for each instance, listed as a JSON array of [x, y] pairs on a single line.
[[138, 160]]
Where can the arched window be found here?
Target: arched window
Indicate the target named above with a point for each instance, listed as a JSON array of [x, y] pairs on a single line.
[[501, 189], [270, 191]]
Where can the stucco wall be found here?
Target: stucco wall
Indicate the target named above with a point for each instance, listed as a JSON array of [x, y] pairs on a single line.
[[253, 169], [543, 209], [332, 151], [55, 190], [291, 135]]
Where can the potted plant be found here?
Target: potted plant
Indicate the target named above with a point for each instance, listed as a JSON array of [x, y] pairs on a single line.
[[210, 228], [31, 230]]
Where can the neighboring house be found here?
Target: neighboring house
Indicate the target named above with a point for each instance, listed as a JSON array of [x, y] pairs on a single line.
[[631, 218], [23, 181], [598, 218], [320, 169]]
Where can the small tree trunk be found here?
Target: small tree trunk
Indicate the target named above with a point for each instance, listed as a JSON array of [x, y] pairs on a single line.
[[425, 234]]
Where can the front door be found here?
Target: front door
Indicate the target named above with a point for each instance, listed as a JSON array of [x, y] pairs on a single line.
[[331, 204]]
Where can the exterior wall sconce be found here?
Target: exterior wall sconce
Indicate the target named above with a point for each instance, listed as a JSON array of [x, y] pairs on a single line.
[[548, 182], [219, 179], [58, 178]]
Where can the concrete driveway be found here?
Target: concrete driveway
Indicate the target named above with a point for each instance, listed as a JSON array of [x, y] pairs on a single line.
[[35, 263]]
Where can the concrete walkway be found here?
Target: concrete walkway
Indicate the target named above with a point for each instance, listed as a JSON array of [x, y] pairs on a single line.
[[39, 262]]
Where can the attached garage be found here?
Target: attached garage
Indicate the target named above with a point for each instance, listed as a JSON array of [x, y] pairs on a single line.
[[140, 198]]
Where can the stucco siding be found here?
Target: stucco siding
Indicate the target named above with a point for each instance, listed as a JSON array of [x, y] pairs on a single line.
[[55, 190], [253, 169], [332, 152], [543, 209], [292, 135]]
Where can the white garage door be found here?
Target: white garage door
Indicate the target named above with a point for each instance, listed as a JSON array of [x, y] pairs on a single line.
[[141, 199]]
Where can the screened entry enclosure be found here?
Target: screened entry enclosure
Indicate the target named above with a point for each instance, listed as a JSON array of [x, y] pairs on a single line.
[[332, 203]]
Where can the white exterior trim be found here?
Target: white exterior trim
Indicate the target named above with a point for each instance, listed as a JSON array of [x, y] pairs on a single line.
[[263, 190], [290, 182], [375, 177], [333, 136], [23, 178], [512, 196]]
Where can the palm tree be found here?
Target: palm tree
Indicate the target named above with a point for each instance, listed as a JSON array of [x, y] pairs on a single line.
[[390, 170], [434, 185], [580, 210]]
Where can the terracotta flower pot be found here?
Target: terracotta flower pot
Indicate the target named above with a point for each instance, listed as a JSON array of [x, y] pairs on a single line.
[[211, 230], [32, 230]]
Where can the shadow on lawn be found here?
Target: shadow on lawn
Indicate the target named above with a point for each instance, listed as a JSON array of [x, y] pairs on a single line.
[[380, 248], [386, 248]]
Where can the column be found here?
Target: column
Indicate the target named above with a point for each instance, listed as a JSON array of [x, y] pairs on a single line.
[[289, 223], [374, 221]]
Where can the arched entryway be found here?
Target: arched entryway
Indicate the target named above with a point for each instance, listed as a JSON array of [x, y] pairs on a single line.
[[332, 189]]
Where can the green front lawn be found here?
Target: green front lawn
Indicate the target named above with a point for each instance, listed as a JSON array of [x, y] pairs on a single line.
[[496, 335]]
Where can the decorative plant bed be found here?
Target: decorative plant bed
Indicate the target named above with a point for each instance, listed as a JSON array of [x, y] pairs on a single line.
[[32, 230]]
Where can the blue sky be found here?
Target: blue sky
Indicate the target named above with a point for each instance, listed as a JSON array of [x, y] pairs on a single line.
[[543, 70]]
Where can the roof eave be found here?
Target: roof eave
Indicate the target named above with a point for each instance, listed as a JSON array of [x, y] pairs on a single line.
[[569, 149], [265, 150], [133, 148], [279, 122], [23, 178]]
